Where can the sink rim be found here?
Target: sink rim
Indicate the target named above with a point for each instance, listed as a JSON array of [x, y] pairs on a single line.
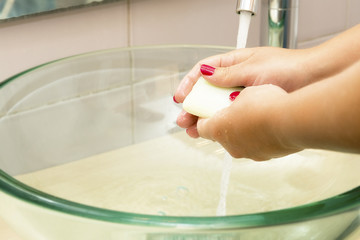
[[335, 205]]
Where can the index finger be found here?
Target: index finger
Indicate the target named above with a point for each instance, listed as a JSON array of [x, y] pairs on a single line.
[[221, 60]]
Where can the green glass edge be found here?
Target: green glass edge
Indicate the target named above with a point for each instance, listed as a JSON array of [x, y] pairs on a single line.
[[337, 204]]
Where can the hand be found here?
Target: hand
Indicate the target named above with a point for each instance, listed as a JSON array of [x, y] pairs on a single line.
[[246, 128], [269, 121], [250, 67], [246, 67]]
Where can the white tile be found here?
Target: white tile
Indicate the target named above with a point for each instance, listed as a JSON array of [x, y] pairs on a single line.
[[353, 13], [212, 22], [28, 42], [321, 18]]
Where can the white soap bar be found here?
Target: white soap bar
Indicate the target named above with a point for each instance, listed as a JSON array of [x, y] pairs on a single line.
[[205, 99]]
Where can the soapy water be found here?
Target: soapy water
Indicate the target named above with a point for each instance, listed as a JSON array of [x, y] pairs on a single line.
[[179, 194], [244, 24], [175, 175]]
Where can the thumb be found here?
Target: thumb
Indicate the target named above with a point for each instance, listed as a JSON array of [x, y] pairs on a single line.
[[203, 128], [232, 76]]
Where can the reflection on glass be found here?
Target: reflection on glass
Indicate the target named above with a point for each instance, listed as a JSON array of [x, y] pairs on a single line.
[[17, 8]]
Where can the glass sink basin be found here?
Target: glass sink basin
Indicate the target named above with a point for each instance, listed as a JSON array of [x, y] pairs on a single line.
[[90, 150]]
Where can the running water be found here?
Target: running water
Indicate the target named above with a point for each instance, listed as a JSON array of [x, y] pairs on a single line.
[[225, 178], [244, 24]]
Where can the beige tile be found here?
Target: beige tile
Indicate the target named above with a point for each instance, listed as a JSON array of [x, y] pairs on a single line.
[[29, 42], [321, 18], [314, 42], [254, 31], [212, 22], [353, 13]]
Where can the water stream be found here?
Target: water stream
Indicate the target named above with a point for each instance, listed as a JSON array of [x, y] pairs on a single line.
[[244, 24], [224, 183]]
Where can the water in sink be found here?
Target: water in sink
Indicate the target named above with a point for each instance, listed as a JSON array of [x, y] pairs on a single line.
[[177, 175]]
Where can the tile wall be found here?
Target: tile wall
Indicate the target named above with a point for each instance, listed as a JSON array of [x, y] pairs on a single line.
[[28, 42]]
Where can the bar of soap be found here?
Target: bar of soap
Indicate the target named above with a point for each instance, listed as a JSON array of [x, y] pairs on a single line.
[[205, 99]]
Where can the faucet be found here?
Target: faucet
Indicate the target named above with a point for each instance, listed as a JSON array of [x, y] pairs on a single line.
[[279, 21]]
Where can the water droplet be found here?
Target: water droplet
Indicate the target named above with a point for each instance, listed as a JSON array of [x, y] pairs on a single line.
[[161, 213], [182, 191]]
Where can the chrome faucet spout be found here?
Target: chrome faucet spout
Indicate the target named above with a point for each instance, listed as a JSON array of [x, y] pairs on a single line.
[[279, 21], [246, 5]]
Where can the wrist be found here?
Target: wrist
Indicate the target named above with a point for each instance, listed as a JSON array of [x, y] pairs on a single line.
[[316, 64], [283, 126]]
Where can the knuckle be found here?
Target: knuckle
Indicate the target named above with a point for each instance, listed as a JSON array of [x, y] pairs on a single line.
[[226, 74]]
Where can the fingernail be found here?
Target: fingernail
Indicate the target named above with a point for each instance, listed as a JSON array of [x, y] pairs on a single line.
[[175, 100], [207, 70], [233, 95]]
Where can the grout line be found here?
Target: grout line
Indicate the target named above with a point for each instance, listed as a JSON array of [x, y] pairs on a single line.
[[132, 67], [129, 23], [347, 20], [318, 39]]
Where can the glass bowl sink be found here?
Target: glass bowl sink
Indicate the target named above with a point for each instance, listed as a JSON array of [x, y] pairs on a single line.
[[90, 150]]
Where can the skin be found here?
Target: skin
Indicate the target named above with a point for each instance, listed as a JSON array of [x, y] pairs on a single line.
[[294, 99]]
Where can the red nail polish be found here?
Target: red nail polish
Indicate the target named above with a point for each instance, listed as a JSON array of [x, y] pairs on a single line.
[[207, 70], [175, 100], [233, 95]]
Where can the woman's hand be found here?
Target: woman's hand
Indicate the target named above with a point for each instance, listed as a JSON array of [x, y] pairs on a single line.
[[265, 121], [250, 67], [245, 67], [246, 127], [288, 69], [273, 120]]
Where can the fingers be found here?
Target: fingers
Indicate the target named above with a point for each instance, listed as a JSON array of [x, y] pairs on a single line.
[[206, 129], [209, 128], [232, 76], [186, 120], [187, 84], [192, 131], [202, 128], [218, 61]]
